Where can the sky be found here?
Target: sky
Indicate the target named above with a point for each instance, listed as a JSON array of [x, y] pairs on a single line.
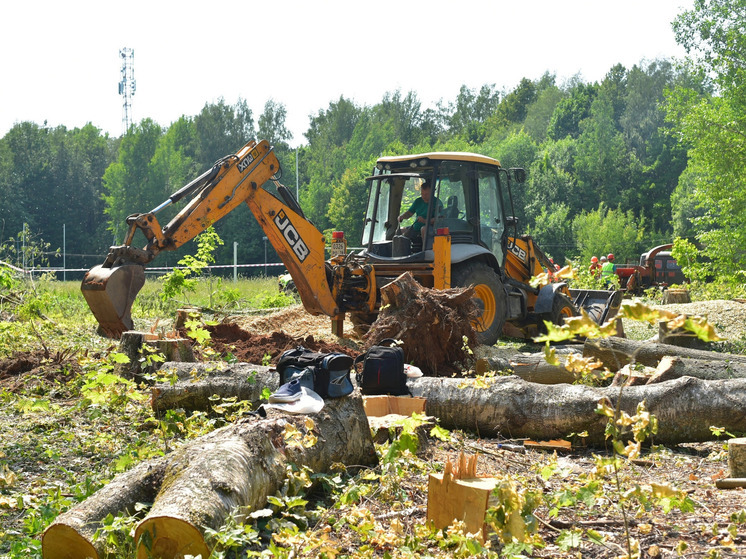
[[60, 61]]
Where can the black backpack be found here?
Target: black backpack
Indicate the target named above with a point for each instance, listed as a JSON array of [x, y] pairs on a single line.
[[329, 373], [383, 370]]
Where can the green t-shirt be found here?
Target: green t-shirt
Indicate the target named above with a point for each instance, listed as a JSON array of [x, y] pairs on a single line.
[[419, 209]]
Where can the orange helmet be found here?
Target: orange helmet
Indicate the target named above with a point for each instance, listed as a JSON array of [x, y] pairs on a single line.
[[594, 259], [610, 257]]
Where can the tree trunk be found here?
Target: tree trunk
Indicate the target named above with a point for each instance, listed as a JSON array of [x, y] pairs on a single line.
[[531, 368], [615, 352], [231, 469], [512, 408], [671, 367], [71, 534], [198, 383]]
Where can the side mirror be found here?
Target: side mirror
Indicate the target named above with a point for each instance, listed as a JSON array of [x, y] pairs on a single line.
[[519, 174], [511, 221]]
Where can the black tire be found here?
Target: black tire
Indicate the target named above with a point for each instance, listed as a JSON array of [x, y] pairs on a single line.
[[562, 308], [491, 298]]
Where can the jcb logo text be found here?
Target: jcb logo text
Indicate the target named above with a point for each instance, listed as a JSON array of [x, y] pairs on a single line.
[[518, 251], [291, 235]]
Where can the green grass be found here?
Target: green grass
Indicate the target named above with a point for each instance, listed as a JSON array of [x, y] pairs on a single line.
[[55, 314]]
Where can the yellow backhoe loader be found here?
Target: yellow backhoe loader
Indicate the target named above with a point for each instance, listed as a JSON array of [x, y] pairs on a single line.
[[466, 240]]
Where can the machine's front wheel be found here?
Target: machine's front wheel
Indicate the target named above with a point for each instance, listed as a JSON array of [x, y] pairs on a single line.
[[490, 296], [562, 308]]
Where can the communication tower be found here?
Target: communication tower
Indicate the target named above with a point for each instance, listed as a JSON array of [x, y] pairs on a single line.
[[127, 85]]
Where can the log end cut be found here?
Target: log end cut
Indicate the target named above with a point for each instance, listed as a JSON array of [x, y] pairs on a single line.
[[61, 541], [169, 538]]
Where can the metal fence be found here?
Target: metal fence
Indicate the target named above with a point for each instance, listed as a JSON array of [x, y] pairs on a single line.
[[61, 273]]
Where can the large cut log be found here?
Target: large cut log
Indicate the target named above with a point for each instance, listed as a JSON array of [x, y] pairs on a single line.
[[672, 367], [531, 367], [513, 408], [71, 534], [228, 471], [197, 385], [615, 352]]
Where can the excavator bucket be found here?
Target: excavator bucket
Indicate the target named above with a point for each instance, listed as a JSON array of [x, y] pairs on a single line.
[[110, 293], [601, 305]]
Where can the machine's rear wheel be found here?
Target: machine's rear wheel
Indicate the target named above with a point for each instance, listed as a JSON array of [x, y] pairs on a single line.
[[491, 299]]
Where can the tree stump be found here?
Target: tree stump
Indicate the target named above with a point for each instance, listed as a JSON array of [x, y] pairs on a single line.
[[132, 345], [183, 315], [673, 296]]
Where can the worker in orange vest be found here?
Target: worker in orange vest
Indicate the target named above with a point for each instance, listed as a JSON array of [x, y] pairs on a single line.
[[595, 267]]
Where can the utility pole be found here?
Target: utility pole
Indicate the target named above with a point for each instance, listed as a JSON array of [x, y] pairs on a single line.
[[127, 85]]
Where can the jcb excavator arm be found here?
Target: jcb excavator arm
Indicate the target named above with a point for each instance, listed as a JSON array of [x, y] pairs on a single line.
[[111, 288]]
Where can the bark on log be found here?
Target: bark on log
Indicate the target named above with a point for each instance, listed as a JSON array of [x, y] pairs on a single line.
[[71, 534], [198, 382], [616, 352], [513, 408], [671, 367], [236, 467], [531, 368]]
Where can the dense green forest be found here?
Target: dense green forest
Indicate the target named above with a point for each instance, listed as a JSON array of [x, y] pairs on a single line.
[[646, 155]]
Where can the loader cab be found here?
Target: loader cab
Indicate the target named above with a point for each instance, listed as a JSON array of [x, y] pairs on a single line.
[[468, 200]]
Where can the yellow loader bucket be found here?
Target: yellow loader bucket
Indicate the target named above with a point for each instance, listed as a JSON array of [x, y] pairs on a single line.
[[110, 293]]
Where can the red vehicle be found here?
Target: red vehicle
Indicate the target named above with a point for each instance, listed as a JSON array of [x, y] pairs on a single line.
[[657, 268]]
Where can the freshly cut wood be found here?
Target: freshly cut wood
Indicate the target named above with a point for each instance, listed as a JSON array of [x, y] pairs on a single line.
[[197, 385], [71, 534], [671, 367], [230, 470], [513, 408], [615, 352]]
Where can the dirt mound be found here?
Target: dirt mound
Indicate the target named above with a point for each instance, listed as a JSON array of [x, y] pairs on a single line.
[[29, 370], [294, 321], [228, 338]]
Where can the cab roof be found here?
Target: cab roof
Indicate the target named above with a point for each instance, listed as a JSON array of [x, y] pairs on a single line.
[[441, 156]]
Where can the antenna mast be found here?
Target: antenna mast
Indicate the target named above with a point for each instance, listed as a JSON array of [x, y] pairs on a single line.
[[127, 85]]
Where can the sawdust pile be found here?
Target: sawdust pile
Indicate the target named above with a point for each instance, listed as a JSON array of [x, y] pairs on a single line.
[[294, 321]]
